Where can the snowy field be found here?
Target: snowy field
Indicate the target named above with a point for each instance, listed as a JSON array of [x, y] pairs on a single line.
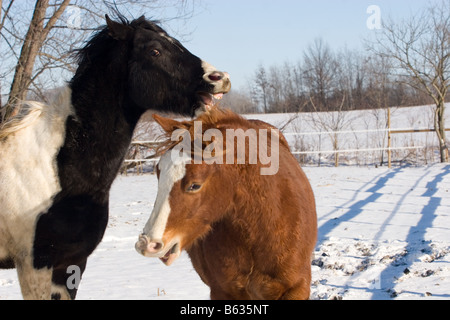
[[383, 234]]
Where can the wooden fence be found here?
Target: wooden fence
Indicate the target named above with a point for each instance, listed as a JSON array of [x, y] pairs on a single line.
[[151, 145]]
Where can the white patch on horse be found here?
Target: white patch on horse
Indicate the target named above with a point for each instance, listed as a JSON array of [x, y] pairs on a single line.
[[208, 69], [173, 169], [29, 180], [34, 284]]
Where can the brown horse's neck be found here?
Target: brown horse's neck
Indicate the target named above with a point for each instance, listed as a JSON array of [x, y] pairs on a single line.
[[254, 215]]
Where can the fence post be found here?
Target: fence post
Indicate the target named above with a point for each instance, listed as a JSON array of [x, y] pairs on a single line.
[[389, 138]]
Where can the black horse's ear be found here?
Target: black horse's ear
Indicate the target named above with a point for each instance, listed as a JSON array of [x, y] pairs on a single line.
[[118, 31]]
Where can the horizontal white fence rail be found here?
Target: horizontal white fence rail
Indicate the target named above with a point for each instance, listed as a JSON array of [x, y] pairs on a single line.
[[142, 160], [357, 150], [402, 130], [147, 142], [318, 133]]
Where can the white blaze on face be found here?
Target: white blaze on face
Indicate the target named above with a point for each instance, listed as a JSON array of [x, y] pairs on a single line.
[[208, 69], [172, 169]]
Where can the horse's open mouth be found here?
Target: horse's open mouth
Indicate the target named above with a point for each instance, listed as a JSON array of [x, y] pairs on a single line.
[[209, 99], [172, 254]]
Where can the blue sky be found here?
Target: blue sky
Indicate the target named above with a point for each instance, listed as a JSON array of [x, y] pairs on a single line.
[[239, 35]]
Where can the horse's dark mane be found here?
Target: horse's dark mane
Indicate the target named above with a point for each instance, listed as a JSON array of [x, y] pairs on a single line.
[[94, 47], [101, 42]]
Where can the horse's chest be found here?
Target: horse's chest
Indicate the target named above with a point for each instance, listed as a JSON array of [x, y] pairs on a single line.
[[221, 262]]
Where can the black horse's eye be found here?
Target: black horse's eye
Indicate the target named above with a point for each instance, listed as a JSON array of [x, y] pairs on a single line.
[[155, 53], [194, 187]]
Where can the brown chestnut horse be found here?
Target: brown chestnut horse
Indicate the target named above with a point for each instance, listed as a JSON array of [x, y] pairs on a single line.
[[249, 235]]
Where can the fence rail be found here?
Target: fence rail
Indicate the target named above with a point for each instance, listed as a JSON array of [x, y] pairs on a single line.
[[388, 149], [402, 130], [141, 160], [356, 150]]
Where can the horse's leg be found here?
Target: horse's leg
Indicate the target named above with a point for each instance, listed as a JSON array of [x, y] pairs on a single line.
[[65, 237], [35, 284], [65, 281]]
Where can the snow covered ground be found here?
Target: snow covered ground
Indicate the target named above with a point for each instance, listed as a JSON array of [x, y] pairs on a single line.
[[383, 234]]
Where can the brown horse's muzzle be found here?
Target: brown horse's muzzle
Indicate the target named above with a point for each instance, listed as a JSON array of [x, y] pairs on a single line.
[[156, 249]]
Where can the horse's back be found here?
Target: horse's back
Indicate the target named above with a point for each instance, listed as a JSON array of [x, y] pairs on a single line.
[[296, 194], [265, 125], [293, 180]]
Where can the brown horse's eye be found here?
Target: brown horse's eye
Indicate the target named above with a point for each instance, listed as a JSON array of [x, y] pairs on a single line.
[[194, 187], [155, 53]]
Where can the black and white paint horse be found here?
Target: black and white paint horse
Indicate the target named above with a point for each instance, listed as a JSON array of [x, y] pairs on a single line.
[[58, 160]]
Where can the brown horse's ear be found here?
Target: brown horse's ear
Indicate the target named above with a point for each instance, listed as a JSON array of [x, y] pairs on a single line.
[[118, 31], [169, 125]]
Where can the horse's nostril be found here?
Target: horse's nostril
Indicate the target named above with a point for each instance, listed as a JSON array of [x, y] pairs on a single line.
[[155, 246], [216, 76], [145, 245]]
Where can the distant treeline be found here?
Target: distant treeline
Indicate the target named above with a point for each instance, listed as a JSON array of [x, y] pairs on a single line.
[[325, 80]]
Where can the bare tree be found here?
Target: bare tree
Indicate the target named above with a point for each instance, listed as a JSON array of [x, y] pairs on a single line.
[[238, 101], [37, 33], [278, 88], [419, 49], [351, 77], [320, 75], [379, 83], [332, 123], [261, 87]]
